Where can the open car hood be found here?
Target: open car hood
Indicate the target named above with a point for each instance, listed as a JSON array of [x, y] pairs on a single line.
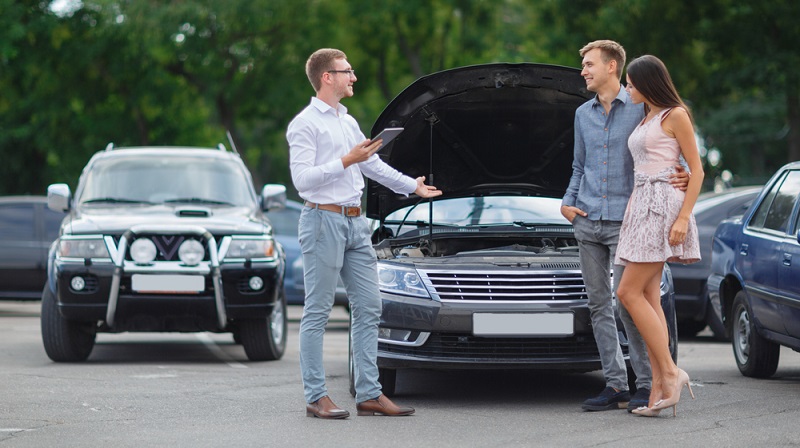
[[482, 130]]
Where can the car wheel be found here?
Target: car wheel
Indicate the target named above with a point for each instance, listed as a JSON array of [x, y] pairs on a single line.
[[755, 356], [265, 339], [64, 340]]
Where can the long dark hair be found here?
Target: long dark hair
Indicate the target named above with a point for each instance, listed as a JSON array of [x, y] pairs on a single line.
[[650, 77]]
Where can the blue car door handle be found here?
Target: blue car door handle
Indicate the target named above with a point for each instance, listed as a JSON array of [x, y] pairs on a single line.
[[743, 249], [787, 259]]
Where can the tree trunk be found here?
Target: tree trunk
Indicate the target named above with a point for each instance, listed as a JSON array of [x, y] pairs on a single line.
[[793, 117]]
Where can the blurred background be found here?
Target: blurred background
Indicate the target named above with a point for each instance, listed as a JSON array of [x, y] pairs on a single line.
[[76, 75]]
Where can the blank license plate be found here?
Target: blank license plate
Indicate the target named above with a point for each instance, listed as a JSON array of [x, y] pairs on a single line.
[[168, 283], [533, 324]]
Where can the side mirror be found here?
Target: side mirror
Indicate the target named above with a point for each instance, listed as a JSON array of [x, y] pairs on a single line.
[[58, 197], [273, 196]]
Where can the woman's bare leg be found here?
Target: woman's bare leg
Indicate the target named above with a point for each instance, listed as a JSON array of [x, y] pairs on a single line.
[[640, 293]]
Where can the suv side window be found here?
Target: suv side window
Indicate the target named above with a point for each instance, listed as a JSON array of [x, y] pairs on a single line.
[[18, 220], [783, 204]]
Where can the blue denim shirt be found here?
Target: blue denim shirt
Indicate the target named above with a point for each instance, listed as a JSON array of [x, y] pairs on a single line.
[[602, 170]]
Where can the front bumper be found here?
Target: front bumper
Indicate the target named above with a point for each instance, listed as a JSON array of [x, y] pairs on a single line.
[[424, 333], [110, 295]]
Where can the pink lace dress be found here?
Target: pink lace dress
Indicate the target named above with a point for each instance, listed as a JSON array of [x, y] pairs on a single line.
[[654, 204]]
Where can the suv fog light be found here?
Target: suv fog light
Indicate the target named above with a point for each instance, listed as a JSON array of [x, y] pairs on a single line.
[[77, 283], [191, 252], [143, 251], [256, 283]]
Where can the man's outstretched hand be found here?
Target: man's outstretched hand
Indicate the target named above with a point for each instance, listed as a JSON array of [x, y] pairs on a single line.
[[426, 191]]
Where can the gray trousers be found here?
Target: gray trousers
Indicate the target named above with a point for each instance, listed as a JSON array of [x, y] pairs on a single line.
[[334, 245], [597, 242]]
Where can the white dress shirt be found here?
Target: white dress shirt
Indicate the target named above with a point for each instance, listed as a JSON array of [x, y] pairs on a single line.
[[319, 136]]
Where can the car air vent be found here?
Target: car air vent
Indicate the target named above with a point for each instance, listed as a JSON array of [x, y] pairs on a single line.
[[561, 266], [193, 213], [555, 229], [450, 230]]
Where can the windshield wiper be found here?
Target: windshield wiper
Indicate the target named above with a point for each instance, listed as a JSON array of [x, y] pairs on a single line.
[[111, 200], [199, 201]]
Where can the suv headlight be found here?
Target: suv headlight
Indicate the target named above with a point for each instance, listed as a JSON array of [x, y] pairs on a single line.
[[400, 280], [251, 248], [82, 247]]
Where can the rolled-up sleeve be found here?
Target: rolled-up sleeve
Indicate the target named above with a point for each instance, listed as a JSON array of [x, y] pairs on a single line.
[[378, 170]]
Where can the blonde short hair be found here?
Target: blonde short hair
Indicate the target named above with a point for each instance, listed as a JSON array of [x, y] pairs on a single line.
[[609, 50], [319, 62]]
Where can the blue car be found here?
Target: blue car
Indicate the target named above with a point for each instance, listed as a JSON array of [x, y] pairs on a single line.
[[754, 284]]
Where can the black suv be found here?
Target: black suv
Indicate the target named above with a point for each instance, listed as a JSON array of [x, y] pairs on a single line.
[[164, 239]]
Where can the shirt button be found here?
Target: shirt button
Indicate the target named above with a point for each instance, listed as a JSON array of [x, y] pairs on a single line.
[[604, 163], [604, 196], [604, 180], [604, 146], [606, 129]]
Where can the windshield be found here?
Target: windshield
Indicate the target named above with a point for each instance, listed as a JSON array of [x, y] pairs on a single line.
[[156, 180], [488, 210]]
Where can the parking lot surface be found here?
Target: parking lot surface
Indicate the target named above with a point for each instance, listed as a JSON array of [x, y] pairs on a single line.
[[199, 390]]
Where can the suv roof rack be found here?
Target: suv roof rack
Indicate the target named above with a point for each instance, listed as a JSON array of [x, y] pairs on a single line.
[[221, 147], [110, 146]]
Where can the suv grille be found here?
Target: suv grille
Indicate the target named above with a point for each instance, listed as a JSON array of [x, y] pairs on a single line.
[[506, 285]]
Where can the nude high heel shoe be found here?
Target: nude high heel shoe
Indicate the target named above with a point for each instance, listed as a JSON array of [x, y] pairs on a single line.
[[672, 402], [644, 411]]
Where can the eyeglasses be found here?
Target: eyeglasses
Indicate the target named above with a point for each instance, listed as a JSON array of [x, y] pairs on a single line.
[[349, 72]]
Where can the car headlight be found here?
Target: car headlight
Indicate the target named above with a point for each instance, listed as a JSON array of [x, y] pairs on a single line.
[[251, 248], [93, 247], [400, 280]]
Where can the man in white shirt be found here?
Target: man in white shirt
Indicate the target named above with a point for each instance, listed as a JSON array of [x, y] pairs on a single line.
[[329, 155]]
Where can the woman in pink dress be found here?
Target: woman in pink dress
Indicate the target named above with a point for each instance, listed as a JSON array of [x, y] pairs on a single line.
[[658, 225]]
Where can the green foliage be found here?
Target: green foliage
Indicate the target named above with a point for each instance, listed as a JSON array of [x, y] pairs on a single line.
[[184, 72]]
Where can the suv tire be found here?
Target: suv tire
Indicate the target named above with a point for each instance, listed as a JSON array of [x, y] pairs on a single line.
[[64, 340], [265, 339], [755, 356]]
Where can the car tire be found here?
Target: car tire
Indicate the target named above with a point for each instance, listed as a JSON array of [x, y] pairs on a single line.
[[755, 356], [64, 340], [265, 339]]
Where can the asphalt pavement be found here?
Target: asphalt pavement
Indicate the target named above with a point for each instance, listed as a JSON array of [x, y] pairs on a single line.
[[199, 390]]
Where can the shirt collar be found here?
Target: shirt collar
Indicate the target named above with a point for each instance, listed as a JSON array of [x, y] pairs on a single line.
[[324, 107], [622, 96]]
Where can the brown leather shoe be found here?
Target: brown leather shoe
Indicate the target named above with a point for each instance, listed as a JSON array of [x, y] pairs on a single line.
[[325, 408], [382, 406]]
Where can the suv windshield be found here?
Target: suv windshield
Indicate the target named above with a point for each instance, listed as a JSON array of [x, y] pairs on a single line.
[[487, 210], [167, 179]]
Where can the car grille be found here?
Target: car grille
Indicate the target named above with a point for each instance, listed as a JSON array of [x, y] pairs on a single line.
[[517, 285], [478, 348]]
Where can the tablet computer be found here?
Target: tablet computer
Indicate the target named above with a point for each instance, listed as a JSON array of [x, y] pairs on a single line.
[[387, 135]]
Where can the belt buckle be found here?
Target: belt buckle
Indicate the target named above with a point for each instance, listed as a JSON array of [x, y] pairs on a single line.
[[352, 211]]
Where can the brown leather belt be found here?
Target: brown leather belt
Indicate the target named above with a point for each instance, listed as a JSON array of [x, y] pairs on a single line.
[[340, 209]]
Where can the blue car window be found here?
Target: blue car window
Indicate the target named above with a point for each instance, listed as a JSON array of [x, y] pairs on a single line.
[[761, 214], [17, 222], [783, 204]]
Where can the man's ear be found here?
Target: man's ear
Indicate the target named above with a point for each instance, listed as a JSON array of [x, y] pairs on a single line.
[[612, 65]]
